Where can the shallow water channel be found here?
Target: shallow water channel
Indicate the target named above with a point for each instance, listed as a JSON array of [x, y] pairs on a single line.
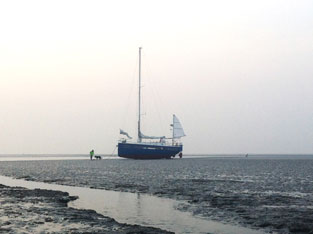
[[132, 208]]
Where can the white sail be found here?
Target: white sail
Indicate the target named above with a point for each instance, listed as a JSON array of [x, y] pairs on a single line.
[[178, 130]]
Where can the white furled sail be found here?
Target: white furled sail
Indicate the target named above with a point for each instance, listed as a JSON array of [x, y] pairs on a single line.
[[150, 137], [178, 130]]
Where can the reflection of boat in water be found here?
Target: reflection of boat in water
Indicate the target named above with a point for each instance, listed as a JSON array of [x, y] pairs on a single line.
[[151, 147]]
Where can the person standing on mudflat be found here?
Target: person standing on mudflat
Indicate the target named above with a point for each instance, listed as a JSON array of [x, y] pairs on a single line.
[[92, 152]]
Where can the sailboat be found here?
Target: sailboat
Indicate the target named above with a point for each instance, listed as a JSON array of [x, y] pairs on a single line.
[[151, 147]]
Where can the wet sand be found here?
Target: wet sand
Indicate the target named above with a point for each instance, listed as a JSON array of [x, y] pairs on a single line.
[[135, 209], [37, 210], [267, 194]]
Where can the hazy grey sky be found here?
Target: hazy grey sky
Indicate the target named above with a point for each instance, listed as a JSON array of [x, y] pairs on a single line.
[[238, 74]]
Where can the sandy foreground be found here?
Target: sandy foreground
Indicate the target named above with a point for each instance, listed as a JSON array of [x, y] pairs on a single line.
[[36, 210]]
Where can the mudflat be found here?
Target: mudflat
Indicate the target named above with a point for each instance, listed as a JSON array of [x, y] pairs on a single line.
[[266, 193], [37, 210]]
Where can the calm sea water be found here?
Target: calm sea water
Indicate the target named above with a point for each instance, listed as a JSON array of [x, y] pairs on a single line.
[[268, 193]]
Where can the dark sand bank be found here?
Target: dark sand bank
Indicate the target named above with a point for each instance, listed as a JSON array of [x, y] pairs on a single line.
[[36, 210], [263, 194]]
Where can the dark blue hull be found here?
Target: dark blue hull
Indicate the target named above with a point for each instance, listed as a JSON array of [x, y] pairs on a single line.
[[147, 151]]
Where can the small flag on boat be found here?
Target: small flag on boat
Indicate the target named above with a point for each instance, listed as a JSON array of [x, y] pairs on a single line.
[[125, 133]]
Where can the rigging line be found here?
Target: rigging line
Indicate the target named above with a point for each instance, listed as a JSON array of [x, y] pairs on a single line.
[[156, 97], [114, 150], [129, 99]]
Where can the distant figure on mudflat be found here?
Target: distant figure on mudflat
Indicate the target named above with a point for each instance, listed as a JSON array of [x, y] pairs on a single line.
[[92, 152]]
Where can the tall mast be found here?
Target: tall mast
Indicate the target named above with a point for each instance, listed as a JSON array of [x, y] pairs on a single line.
[[139, 97], [173, 131]]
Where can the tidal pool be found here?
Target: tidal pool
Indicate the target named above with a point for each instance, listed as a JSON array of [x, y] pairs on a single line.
[[135, 208]]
